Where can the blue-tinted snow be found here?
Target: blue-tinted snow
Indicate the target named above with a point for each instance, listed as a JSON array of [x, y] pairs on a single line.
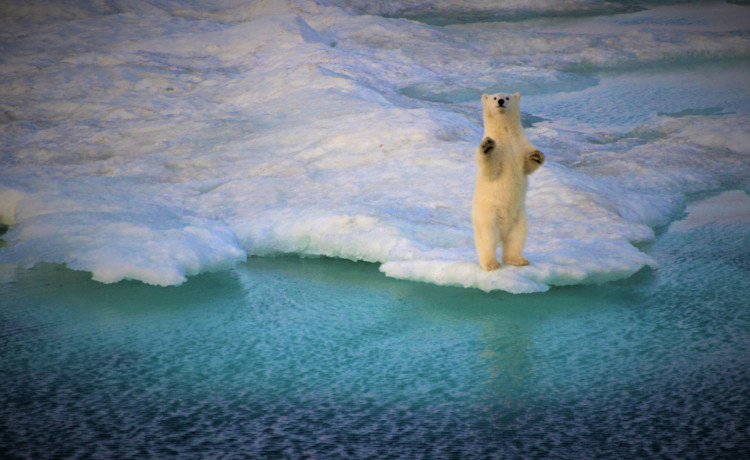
[[153, 140]]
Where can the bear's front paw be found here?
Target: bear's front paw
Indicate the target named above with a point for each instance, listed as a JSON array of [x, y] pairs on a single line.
[[488, 145], [536, 156]]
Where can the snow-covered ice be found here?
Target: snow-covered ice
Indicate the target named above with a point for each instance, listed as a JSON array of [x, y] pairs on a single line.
[[157, 139]]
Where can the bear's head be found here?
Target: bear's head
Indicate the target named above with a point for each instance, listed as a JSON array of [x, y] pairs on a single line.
[[501, 105]]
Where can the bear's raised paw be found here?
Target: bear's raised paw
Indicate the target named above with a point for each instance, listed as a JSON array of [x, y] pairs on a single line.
[[487, 145]]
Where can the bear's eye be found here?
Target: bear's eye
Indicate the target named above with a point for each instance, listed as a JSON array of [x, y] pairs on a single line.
[[507, 98], [495, 98]]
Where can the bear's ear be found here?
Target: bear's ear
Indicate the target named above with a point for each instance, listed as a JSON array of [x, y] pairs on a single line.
[[484, 97], [517, 96]]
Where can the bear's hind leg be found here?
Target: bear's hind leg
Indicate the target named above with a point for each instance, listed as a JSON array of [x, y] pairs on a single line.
[[486, 244], [513, 243]]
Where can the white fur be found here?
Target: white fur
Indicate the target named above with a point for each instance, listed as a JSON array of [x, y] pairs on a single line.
[[498, 210]]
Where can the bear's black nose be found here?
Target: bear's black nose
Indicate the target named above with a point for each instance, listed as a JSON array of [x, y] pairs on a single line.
[[501, 102]]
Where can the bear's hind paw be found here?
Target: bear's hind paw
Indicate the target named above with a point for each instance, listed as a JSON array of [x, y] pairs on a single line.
[[489, 266], [517, 261]]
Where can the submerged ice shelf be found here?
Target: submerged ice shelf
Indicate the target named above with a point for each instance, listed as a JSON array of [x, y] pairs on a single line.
[[154, 142]]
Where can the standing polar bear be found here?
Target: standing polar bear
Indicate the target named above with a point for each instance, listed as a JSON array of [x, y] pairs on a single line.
[[504, 158]]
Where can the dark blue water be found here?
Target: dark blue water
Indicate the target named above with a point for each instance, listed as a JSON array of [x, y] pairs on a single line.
[[316, 358]]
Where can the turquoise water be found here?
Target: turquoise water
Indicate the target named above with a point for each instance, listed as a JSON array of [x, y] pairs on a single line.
[[290, 357]]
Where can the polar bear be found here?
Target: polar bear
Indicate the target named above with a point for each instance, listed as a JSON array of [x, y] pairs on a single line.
[[504, 158]]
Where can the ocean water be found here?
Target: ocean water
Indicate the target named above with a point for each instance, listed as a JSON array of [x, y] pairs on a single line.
[[239, 228]]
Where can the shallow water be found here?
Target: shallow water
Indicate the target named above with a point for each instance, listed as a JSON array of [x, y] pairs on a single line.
[[329, 358]]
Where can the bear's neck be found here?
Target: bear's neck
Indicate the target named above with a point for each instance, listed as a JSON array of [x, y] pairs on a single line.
[[502, 126]]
